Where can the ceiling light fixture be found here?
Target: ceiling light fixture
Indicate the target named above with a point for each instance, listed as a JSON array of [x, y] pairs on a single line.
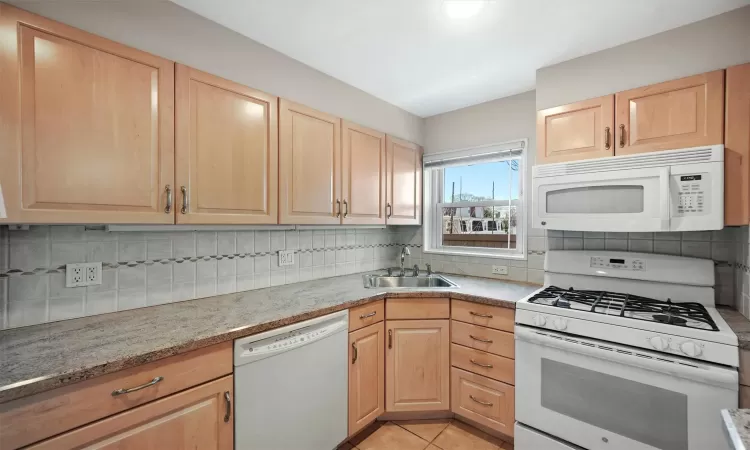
[[463, 9]]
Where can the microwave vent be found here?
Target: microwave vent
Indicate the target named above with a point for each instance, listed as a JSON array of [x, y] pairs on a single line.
[[640, 161]]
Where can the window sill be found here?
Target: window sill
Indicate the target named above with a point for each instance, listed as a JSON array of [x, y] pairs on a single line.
[[479, 254]]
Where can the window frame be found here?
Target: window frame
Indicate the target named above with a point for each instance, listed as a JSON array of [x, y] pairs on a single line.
[[433, 188]]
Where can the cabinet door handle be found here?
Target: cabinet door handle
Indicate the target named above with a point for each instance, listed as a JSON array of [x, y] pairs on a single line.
[[388, 210], [390, 338], [486, 341], [184, 208], [346, 208], [480, 401], [486, 316], [486, 366], [607, 144], [354, 352], [365, 316], [228, 402], [137, 388], [622, 136], [168, 208], [338, 208]]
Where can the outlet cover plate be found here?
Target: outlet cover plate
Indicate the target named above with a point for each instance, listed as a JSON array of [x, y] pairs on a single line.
[[83, 274], [286, 257], [500, 270]]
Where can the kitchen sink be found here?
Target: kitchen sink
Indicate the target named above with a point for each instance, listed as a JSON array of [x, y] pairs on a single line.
[[425, 281]]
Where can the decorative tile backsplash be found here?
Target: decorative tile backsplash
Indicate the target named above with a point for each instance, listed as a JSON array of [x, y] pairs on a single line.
[[150, 268]]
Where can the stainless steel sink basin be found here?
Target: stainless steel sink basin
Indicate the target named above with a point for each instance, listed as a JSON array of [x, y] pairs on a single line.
[[425, 281]]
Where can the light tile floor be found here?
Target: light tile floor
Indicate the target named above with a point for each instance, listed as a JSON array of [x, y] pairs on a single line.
[[444, 434]]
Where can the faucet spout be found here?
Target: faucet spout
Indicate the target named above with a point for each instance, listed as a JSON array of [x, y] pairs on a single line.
[[404, 253]]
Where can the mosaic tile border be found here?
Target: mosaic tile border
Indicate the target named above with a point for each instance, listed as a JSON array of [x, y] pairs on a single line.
[[150, 262]]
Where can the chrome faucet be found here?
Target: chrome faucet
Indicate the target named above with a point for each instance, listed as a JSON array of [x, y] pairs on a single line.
[[404, 253]]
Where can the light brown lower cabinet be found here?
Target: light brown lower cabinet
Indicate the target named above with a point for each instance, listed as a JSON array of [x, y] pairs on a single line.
[[199, 418], [366, 376], [483, 400], [417, 365]]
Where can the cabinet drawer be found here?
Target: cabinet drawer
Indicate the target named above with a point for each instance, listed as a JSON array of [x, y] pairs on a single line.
[[417, 308], [40, 416], [483, 338], [485, 401], [484, 315], [483, 363], [362, 316]]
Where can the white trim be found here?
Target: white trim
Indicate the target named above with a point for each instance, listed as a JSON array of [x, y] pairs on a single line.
[[491, 150]]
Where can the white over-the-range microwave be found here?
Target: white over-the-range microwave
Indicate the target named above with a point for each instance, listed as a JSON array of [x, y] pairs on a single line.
[[674, 190]]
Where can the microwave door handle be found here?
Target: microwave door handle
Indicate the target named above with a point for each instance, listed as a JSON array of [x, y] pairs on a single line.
[[664, 207]]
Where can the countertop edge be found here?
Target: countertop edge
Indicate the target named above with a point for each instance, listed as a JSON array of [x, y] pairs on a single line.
[[39, 385], [731, 430]]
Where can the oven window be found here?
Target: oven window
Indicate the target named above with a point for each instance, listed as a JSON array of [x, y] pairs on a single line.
[[596, 200], [644, 413]]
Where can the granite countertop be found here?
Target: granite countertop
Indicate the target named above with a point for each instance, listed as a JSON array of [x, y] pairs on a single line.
[[43, 357], [738, 323], [737, 426]]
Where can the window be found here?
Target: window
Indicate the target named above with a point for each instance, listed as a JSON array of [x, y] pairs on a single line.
[[474, 201]]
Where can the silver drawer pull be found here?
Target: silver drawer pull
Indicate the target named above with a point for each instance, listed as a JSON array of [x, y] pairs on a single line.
[[486, 366], [486, 316], [365, 316], [137, 388], [480, 401], [486, 341]]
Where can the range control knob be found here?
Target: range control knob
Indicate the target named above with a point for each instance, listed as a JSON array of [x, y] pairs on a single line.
[[540, 321], [659, 343], [560, 324], [691, 348]]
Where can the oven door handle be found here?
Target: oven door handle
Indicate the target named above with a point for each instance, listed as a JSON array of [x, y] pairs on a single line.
[[643, 359]]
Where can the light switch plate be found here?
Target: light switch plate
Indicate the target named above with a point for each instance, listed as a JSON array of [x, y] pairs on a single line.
[[500, 270], [83, 274], [286, 257]]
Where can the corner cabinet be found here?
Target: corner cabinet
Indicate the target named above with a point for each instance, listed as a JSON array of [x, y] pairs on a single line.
[[366, 376], [88, 126], [737, 146], [226, 151], [404, 182], [309, 166]]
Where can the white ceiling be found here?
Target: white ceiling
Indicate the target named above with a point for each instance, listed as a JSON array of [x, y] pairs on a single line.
[[409, 53]]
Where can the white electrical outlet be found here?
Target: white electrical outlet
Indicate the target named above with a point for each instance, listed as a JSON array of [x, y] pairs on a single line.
[[286, 257], [83, 274], [500, 270]]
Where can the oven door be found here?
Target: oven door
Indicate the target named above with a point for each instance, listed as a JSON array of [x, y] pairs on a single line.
[[619, 200], [604, 396]]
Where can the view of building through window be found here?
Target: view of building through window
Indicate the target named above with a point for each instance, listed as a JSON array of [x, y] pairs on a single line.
[[487, 204]]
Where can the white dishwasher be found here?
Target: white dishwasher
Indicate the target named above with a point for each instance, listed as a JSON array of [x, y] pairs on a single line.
[[291, 386]]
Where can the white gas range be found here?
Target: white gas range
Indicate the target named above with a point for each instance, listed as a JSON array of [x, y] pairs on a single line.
[[623, 351]]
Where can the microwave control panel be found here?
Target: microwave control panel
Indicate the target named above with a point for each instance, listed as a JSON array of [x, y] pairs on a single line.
[[692, 194], [618, 263]]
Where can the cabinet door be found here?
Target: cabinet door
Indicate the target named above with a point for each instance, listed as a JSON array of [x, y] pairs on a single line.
[[485, 401], [404, 182], [363, 175], [226, 151], [737, 150], [309, 165], [366, 376], [683, 113], [87, 132], [417, 365], [581, 130], [199, 418]]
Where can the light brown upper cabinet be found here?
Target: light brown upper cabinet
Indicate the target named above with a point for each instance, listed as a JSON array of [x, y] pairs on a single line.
[[687, 112], [417, 365], [87, 134], [737, 147], [226, 151], [404, 182], [581, 130], [309, 165], [362, 175]]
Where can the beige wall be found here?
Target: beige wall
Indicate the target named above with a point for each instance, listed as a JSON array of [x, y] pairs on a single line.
[[165, 29], [713, 43]]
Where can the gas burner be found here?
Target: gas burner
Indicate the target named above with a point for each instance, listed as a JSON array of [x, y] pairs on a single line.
[[687, 314]]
